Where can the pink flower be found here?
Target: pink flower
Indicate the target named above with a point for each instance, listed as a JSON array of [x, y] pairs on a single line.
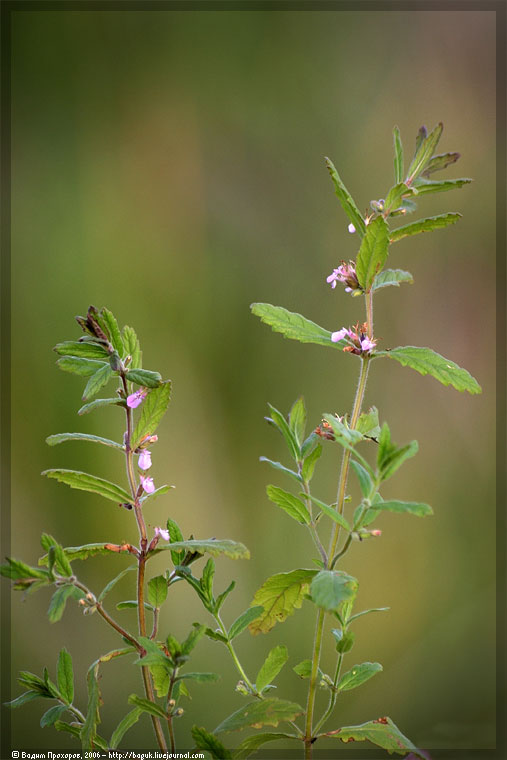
[[339, 335], [367, 344], [147, 484], [144, 461], [376, 532], [136, 398], [345, 273], [351, 228], [162, 533]]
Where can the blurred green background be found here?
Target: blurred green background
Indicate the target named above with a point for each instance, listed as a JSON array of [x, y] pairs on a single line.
[[170, 166]]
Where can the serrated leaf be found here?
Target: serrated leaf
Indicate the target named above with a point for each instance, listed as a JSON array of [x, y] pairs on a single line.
[[65, 676], [280, 595], [146, 706], [214, 546], [330, 588], [346, 200], [60, 725], [272, 665], [59, 600], [442, 161], [80, 366], [398, 156], [389, 456], [54, 440], [289, 503], [267, 712], [28, 696], [395, 197], [382, 732], [82, 552], [358, 675], [343, 434], [331, 512], [391, 277], [87, 350], [200, 677], [193, 637], [52, 715], [243, 621], [175, 535], [408, 507], [114, 581], [132, 604], [85, 482], [123, 726], [367, 612], [33, 682], [144, 377], [278, 419], [108, 318], [132, 347], [373, 253], [365, 482], [154, 407], [304, 669], [207, 741], [310, 462], [160, 491], [97, 381], [368, 424], [423, 225], [297, 419], [100, 402], [281, 468], [157, 591], [424, 153], [441, 186], [89, 728], [161, 679], [251, 743], [293, 326], [428, 362], [16, 570]]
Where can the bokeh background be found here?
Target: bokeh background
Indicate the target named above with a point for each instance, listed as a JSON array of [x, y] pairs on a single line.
[[170, 166]]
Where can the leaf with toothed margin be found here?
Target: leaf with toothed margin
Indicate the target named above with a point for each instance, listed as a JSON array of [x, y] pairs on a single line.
[[294, 326], [53, 440], [398, 156], [442, 161], [100, 378], [213, 546], [87, 350], [280, 595], [347, 202], [423, 225], [391, 277], [425, 186], [424, 153], [99, 402], [154, 407], [382, 732], [251, 743], [85, 482], [428, 362], [80, 366], [267, 712], [372, 253]]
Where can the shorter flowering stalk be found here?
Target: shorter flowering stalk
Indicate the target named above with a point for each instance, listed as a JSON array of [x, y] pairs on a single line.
[[345, 273], [359, 342]]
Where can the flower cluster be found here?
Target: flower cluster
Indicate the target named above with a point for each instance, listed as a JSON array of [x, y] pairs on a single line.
[[345, 273], [359, 342], [136, 398]]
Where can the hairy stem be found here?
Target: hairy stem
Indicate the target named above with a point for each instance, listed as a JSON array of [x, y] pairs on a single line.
[[312, 689], [333, 696]]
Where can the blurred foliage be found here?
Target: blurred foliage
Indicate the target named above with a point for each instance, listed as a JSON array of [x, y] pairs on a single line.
[[170, 165]]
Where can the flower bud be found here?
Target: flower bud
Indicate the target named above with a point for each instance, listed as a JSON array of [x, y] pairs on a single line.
[[115, 362]]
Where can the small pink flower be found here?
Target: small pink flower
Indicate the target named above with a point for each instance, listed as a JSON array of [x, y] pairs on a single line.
[[162, 533], [144, 461], [376, 532], [339, 335], [367, 344], [345, 273], [351, 228], [136, 398], [147, 484]]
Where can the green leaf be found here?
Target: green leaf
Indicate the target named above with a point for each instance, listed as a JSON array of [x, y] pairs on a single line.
[[33, 682], [365, 482], [160, 491], [193, 637], [157, 591], [395, 197], [343, 434], [114, 581], [17, 570], [424, 153], [381, 732], [144, 377], [154, 407], [358, 675], [289, 503], [310, 462], [205, 740], [251, 743], [442, 161], [367, 612], [214, 546], [201, 677], [123, 726], [423, 225], [53, 440], [373, 252], [88, 350], [433, 186], [100, 402], [80, 366], [280, 595], [65, 676], [330, 588], [344, 640], [161, 679], [391, 277], [428, 362], [85, 482], [267, 712], [215, 635], [59, 600], [408, 507], [82, 552], [297, 419], [131, 604], [398, 156], [60, 725], [146, 706], [175, 535], [331, 512], [28, 696], [368, 424], [293, 326], [304, 669], [89, 728], [110, 322], [97, 381], [52, 715], [278, 419], [281, 468], [244, 620], [389, 456], [132, 347], [273, 664], [346, 200]]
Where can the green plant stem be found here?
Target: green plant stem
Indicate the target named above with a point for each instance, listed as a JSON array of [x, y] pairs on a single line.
[[235, 658], [169, 711], [312, 688], [311, 526], [333, 696]]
